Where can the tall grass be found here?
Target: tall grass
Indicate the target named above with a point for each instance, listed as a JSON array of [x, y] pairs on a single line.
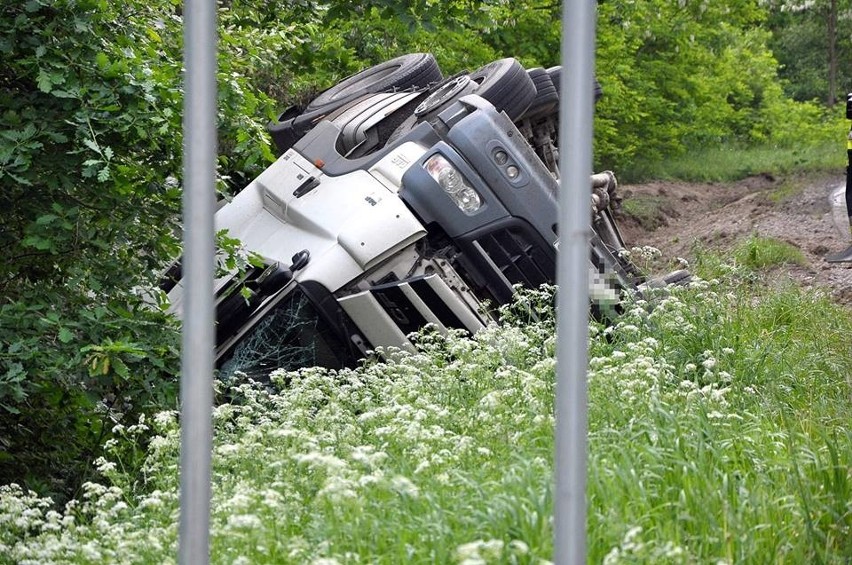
[[730, 162], [718, 433], [758, 252]]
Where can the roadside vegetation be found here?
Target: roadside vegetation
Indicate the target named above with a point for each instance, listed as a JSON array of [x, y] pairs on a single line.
[[718, 433], [727, 162], [761, 252], [444, 455]]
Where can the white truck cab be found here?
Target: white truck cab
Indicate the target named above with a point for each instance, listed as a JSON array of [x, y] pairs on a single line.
[[368, 234]]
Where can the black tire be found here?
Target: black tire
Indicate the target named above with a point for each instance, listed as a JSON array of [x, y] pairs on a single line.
[[285, 133], [556, 76], [415, 70], [546, 98], [412, 70], [506, 84]]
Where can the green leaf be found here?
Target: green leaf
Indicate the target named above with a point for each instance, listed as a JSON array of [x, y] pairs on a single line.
[[12, 410], [102, 60], [19, 179], [120, 368], [43, 82], [65, 335], [38, 242], [92, 144]]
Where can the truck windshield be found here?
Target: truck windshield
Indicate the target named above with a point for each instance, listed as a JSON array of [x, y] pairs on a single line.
[[290, 336]]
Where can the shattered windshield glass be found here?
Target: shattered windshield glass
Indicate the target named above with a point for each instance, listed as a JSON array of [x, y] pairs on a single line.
[[290, 336]]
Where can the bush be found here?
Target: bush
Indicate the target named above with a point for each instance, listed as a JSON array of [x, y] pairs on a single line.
[[90, 160]]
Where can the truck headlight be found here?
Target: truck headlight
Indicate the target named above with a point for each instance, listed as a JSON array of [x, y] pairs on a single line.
[[453, 183]]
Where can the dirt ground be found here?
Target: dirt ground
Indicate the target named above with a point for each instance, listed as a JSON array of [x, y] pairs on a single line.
[[676, 216]]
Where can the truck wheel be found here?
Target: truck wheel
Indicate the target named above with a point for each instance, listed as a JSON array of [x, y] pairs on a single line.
[[412, 70], [546, 98], [556, 76], [506, 84], [407, 71]]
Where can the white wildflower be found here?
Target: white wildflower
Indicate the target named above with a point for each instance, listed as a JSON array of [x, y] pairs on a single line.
[[316, 459], [104, 466], [338, 489], [468, 551], [227, 449], [402, 485], [244, 522]]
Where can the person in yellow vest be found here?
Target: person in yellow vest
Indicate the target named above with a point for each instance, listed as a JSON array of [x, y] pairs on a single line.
[[845, 256]]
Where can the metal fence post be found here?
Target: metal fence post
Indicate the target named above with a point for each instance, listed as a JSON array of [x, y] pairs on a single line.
[[199, 200], [575, 164]]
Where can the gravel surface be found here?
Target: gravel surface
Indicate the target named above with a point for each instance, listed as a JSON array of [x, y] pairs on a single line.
[[680, 216]]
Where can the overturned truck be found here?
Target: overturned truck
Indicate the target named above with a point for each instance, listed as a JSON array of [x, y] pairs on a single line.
[[402, 198]]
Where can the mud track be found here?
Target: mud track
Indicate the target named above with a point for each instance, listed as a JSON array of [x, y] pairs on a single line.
[[679, 218]]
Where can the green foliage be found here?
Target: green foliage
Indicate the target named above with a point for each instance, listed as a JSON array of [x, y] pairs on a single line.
[[374, 38], [648, 210], [90, 163], [718, 432], [800, 41], [677, 76], [529, 31], [762, 252], [90, 150], [87, 162], [729, 162]]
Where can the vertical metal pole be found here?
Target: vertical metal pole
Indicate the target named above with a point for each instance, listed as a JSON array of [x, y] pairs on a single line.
[[575, 164], [199, 201]]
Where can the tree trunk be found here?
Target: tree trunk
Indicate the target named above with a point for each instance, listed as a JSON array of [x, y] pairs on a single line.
[[832, 53]]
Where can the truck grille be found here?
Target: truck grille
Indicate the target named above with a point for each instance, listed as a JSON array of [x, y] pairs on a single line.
[[519, 256]]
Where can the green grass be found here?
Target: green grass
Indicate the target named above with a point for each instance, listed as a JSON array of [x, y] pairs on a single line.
[[759, 252], [718, 433], [788, 188], [650, 211], [726, 163]]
